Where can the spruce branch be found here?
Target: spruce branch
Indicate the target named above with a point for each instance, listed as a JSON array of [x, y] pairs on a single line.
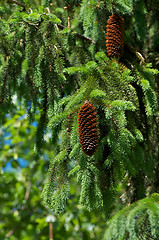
[[68, 130], [2, 97], [17, 3], [42, 120], [79, 35], [59, 25]]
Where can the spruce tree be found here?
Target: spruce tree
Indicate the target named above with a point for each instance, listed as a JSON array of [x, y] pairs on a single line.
[[89, 68]]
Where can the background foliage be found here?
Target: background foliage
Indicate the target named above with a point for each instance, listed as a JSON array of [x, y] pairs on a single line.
[[53, 58]]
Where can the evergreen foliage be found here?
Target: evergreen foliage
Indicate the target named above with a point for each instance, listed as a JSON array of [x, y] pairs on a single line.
[[137, 221], [53, 58]]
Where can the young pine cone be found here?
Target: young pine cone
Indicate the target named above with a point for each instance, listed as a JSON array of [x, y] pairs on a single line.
[[115, 36], [87, 128]]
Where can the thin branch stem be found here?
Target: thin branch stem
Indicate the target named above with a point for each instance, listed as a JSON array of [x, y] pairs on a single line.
[[17, 3], [79, 35]]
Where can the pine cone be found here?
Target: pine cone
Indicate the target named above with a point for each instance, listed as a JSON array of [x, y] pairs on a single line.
[[115, 36], [87, 125]]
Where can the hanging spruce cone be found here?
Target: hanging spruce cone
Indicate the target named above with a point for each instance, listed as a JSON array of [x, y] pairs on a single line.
[[115, 36], [87, 123]]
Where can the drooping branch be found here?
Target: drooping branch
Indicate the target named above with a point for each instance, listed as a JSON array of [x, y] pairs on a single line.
[[2, 95]]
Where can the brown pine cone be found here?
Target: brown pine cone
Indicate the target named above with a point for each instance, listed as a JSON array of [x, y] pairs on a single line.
[[115, 36], [87, 128]]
